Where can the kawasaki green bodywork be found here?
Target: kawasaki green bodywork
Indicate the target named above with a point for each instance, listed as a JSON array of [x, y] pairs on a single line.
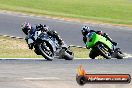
[[95, 38]]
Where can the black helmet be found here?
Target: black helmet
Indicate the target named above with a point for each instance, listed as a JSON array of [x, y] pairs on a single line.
[[41, 27], [26, 27]]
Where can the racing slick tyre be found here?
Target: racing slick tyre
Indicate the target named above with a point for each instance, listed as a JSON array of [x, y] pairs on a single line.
[[46, 50], [118, 54], [37, 51], [68, 55], [92, 54]]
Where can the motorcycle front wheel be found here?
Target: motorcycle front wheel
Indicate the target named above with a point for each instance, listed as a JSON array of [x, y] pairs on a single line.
[[104, 51], [46, 50]]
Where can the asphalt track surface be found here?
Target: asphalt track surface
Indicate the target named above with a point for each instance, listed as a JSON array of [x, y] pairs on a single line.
[[60, 73]]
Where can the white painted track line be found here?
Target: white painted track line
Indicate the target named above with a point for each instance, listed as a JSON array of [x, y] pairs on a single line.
[[41, 78]]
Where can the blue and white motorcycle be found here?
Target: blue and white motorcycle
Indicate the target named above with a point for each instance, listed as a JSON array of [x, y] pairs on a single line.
[[48, 47]]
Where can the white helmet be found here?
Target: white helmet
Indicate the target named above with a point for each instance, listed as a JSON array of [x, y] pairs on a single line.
[[85, 29]]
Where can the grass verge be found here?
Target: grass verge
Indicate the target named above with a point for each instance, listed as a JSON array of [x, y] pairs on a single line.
[[17, 48], [109, 11]]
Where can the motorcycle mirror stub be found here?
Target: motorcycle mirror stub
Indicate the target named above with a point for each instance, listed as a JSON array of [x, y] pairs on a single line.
[[82, 78]]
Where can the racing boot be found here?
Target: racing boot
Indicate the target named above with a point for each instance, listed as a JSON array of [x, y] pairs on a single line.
[[30, 43], [30, 46], [26, 38], [61, 42], [114, 43]]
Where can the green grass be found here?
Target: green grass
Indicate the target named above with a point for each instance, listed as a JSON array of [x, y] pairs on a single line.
[[80, 52], [110, 11], [17, 48]]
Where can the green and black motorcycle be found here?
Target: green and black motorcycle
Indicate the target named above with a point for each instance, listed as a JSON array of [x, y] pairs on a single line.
[[101, 46]]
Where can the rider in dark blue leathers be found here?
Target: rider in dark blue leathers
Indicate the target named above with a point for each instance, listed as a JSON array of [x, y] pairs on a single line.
[[30, 32]]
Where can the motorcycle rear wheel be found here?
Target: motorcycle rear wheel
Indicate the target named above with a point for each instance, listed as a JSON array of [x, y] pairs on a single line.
[[119, 54], [66, 54]]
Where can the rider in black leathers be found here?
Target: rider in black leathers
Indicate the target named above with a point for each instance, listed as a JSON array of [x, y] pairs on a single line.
[[85, 30]]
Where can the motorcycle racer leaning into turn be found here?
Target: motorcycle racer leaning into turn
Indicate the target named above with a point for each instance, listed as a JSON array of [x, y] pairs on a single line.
[[30, 32], [86, 30]]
